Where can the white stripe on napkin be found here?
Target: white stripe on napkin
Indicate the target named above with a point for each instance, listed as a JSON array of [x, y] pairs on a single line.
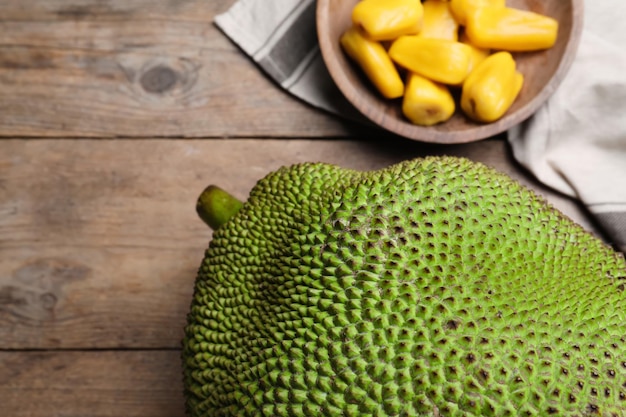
[[280, 36]]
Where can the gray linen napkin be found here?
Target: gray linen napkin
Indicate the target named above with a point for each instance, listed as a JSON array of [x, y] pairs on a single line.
[[575, 143]]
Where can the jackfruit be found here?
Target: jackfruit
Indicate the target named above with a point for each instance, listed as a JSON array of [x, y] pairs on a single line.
[[433, 287]]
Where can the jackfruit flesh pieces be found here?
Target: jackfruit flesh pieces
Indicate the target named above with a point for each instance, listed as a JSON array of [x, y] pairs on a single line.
[[434, 287]]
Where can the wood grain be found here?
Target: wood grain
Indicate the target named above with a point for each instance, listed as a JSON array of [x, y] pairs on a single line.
[[100, 241], [138, 68], [91, 384]]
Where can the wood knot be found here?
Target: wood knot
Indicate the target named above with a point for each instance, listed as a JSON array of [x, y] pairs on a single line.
[[37, 287], [162, 82], [159, 79], [48, 301]]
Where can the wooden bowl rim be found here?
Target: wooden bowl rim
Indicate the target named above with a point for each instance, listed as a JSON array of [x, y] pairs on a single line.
[[426, 134]]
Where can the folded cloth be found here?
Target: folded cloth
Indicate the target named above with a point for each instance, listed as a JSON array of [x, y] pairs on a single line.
[[575, 143], [280, 36]]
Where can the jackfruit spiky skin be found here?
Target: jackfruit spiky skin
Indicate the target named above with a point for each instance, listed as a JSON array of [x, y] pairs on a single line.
[[435, 287]]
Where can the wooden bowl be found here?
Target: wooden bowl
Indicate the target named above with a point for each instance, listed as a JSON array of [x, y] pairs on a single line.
[[543, 72]]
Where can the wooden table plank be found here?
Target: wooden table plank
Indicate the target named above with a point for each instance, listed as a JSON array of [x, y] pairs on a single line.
[[91, 384], [137, 68], [100, 241]]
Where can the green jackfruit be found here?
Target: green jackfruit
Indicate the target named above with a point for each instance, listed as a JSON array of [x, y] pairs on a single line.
[[435, 287]]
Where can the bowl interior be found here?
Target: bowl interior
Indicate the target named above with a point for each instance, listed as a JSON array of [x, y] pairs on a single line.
[[542, 70]]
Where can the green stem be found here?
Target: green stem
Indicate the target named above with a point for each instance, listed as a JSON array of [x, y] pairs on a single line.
[[215, 206]]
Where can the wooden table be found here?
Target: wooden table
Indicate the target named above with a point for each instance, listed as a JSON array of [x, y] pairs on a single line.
[[114, 115]]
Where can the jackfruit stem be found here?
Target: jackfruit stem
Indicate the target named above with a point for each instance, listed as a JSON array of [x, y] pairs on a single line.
[[215, 206]]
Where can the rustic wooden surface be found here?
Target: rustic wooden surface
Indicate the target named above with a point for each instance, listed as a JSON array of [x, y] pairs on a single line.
[[114, 115]]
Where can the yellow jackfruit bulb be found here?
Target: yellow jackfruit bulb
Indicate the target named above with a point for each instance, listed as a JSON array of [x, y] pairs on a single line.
[[426, 102], [511, 29], [461, 8], [388, 19], [438, 21], [477, 56], [440, 60], [491, 88], [373, 59]]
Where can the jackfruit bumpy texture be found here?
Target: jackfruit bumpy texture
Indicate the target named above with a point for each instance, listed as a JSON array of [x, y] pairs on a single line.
[[435, 287]]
